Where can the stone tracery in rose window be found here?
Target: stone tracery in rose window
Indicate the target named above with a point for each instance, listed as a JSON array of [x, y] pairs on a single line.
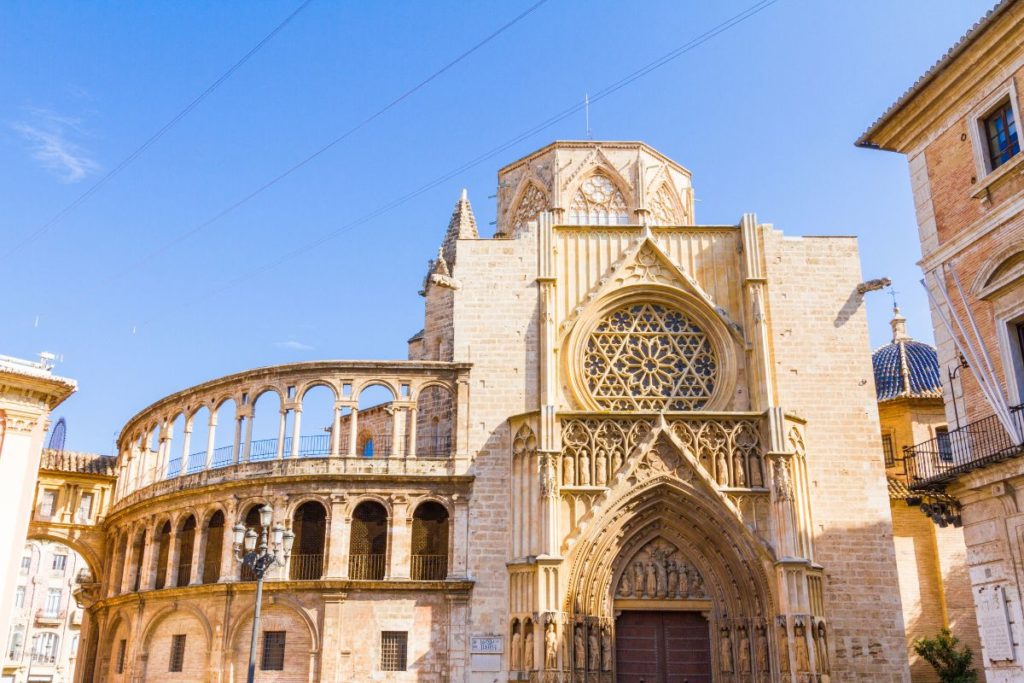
[[649, 356], [533, 202], [598, 202], [663, 208]]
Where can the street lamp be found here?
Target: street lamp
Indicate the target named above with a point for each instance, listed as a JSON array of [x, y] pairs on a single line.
[[252, 550]]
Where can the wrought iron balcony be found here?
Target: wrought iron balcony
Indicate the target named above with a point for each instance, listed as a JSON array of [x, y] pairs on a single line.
[[931, 465], [366, 567], [429, 567], [306, 567]]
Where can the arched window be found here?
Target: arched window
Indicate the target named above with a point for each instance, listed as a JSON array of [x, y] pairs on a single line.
[[163, 540], [138, 551], [598, 202], [214, 548], [375, 421], [430, 542], [532, 203], [368, 544], [186, 543], [252, 521], [44, 648], [310, 526], [649, 356], [435, 414]]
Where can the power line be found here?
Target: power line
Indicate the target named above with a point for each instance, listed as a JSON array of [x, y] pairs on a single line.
[[296, 166], [38, 232], [476, 161]]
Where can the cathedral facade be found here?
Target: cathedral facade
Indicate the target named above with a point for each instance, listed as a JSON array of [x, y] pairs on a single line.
[[625, 447]]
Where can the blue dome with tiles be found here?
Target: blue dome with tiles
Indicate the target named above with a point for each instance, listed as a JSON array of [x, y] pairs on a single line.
[[905, 368]]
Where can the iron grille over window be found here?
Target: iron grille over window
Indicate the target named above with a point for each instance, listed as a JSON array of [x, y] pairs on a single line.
[[1001, 134], [121, 646], [890, 460], [177, 653], [273, 651], [393, 645]]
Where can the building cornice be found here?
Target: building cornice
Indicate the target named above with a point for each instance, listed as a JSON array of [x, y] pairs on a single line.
[[946, 87]]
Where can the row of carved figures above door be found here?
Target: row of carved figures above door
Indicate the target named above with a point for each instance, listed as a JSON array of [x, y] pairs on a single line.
[[561, 647]]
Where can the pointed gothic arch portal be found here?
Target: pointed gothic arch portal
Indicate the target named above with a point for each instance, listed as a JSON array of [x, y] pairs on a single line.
[[669, 544]]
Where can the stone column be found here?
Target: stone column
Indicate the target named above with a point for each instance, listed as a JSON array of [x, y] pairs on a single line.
[[458, 567], [185, 448], [282, 425], [338, 539], [353, 431], [296, 431], [334, 629], [210, 439], [251, 417], [410, 428], [229, 569], [401, 540], [198, 544], [174, 548], [336, 431], [148, 578]]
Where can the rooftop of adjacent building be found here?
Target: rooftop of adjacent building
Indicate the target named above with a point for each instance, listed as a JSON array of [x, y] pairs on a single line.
[[41, 369], [80, 463], [867, 138], [905, 368]]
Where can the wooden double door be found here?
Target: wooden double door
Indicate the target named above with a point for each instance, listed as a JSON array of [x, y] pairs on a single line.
[[662, 647]]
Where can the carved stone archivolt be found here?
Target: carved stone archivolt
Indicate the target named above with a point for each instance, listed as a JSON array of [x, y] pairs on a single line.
[[660, 572]]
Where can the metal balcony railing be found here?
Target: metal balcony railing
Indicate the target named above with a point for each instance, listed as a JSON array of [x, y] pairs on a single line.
[[366, 567], [934, 463], [43, 614], [429, 567], [43, 657], [306, 567]]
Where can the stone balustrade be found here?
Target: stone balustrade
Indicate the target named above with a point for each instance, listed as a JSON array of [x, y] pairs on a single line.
[[420, 429]]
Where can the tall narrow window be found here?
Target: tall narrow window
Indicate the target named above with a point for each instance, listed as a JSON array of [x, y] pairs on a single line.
[[19, 596], [273, 651], [85, 508], [48, 504], [60, 561], [177, 653], [121, 646], [393, 646], [53, 596], [26, 564], [887, 451], [1001, 135], [944, 444]]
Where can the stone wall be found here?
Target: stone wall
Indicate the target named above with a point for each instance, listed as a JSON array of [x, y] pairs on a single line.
[[821, 351]]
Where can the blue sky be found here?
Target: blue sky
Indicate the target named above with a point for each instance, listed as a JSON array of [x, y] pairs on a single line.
[[764, 116]]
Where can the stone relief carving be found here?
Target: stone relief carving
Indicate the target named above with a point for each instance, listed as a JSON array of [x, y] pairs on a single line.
[[730, 450], [595, 649], [528, 650], [725, 650], [803, 663], [744, 654], [550, 646], [548, 479], [658, 571], [783, 646], [762, 656], [579, 648], [516, 650], [783, 483], [821, 648]]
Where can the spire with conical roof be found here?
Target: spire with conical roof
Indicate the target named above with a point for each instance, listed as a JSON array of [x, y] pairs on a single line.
[[462, 226]]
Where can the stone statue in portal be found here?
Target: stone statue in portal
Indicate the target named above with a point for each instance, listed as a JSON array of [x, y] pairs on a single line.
[[725, 650], [550, 647]]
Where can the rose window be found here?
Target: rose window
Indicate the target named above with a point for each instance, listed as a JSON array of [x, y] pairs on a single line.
[[649, 357]]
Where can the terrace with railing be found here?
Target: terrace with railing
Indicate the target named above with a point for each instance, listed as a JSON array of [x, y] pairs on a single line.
[[360, 417], [933, 464]]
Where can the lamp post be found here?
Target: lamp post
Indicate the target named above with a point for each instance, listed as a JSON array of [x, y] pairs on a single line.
[[259, 553]]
